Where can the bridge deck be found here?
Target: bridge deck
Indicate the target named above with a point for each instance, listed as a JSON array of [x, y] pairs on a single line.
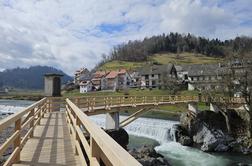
[[51, 144]]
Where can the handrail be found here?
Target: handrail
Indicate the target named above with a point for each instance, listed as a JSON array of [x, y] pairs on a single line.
[[101, 147], [33, 112]]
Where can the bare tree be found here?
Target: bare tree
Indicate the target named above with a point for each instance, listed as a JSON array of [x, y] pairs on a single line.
[[240, 80]]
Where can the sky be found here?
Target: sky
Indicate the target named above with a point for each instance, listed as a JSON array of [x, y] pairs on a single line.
[[70, 34]]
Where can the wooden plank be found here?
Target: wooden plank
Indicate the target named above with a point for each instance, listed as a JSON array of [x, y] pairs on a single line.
[[133, 117], [51, 144]]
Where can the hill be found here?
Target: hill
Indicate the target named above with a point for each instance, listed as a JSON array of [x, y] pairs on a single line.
[[162, 58], [135, 53], [28, 78]]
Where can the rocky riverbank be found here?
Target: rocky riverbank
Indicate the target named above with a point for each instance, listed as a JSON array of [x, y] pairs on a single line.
[[208, 131]]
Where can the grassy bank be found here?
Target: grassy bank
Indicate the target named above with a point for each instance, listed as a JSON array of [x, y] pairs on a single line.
[[33, 95], [133, 92], [162, 58]]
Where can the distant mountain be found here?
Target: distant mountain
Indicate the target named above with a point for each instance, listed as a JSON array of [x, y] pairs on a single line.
[[28, 78]]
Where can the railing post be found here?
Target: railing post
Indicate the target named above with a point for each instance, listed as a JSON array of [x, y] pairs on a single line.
[[77, 139], [32, 122], [77, 102], [39, 114], [94, 150], [94, 103], [88, 105], [18, 139]]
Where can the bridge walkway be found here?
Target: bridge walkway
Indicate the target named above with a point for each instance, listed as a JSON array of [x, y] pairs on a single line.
[[51, 143]]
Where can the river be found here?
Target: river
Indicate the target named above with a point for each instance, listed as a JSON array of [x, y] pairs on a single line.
[[157, 132]]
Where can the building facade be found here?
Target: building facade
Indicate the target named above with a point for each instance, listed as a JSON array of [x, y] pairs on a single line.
[[157, 76]]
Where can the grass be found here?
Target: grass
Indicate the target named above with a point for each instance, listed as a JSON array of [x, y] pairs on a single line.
[[162, 58], [184, 58], [114, 65], [134, 92], [21, 94]]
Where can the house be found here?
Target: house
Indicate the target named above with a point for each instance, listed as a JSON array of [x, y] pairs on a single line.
[[117, 79], [80, 73], [111, 81], [124, 79], [98, 79], [86, 86], [157, 75], [182, 72], [206, 76], [135, 79]]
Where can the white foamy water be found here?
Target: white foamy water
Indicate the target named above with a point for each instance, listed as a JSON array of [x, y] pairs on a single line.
[[10, 109], [145, 127]]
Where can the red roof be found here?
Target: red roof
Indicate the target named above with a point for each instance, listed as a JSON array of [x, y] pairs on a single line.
[[99, 74], [112, 74], [122, 71]]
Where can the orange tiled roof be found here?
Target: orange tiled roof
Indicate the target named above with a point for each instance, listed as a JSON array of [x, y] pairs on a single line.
[[112, 74], [122, 71], [99, 74]]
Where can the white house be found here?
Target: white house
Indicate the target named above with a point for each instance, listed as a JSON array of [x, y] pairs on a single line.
[[86, 86]]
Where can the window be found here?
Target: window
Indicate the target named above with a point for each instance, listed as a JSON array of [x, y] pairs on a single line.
[[146, 77], [152, 75]]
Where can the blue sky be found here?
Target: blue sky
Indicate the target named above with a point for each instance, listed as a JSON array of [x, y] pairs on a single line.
[[73, 34]]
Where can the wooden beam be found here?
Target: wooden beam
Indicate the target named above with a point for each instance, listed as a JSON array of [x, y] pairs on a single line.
[[134, 116]]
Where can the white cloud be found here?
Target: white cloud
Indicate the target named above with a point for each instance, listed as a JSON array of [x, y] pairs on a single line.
[[72, 34]]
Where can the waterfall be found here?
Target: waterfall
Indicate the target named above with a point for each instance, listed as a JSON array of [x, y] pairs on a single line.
[[156, 129]]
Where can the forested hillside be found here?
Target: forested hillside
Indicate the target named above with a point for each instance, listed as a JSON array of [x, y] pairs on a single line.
[[137, 50], [28, 78]]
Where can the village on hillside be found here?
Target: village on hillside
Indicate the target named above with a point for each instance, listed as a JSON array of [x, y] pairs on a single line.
[[200, 77]]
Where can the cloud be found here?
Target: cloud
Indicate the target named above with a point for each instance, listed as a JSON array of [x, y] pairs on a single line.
[[71, 34]]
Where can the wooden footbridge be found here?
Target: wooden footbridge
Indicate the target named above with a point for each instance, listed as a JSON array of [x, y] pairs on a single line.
[[57, 131]]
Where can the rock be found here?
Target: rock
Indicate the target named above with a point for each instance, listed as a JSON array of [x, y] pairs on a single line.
[[185, 140], [179, 134], [148, 156], [120, 136], [212, 140]]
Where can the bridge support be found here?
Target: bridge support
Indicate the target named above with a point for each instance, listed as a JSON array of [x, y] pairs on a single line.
[[112, 121], [193, 107], [214, 108]]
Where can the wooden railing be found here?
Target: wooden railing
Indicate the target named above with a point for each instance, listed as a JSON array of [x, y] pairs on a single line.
[[90, 103], [92, 144], [24, 122], [108, 102]]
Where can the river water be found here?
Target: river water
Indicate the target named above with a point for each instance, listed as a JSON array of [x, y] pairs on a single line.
[[157, 132]]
